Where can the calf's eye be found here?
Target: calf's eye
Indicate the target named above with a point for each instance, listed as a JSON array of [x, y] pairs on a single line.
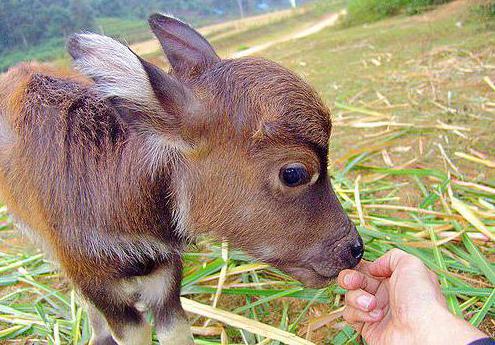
[[294, 174]]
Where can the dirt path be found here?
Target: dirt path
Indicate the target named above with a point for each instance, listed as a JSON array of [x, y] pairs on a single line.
[[224, 28], [150, 46], [327, 21]]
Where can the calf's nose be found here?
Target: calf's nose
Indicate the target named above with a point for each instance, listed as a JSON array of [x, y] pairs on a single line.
[[357, 250]]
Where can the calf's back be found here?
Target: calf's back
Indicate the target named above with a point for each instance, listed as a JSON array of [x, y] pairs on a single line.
[[69, 168]]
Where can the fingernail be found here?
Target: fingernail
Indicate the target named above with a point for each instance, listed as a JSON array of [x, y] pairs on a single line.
[[347, 279], [375, 314], [364, 301]]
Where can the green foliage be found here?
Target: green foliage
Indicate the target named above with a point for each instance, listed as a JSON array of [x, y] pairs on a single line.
[[365, 11], [321, 7], [488, 9], [25, 23], [47, 51], [37, 29], [485, 14], [130, 30]]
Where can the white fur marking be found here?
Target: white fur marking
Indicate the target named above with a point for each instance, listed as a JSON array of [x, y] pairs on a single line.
[[152, 289], [140, 335], [159, 152], [6, 135], [182, 208], [117, 71], [179, 333], [314, 178]]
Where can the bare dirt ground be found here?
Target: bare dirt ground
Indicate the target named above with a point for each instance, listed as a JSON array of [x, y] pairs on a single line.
[[318, 26], [224, 29]]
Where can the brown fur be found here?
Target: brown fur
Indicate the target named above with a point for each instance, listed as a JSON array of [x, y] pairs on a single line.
[[115, 189]]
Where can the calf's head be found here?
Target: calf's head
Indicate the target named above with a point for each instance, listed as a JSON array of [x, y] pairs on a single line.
[[252, 142]]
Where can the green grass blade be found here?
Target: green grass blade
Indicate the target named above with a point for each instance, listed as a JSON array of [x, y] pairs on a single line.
[[479, 259], [267, 299], [478, 318]]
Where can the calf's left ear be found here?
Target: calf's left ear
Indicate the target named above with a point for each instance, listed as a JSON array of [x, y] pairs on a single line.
[[188, 52], [156, 100], [118, 72]]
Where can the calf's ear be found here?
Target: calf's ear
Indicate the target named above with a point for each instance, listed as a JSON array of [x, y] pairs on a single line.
[[146, 93], [188, 52], [119, 73]]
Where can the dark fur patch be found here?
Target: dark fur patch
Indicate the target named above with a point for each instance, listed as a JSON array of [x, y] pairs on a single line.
[[81, 158]]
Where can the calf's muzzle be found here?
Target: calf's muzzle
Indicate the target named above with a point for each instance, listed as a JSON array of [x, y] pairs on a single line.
[[325, 260]]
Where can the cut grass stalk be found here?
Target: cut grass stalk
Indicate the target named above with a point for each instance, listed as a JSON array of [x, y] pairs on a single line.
[[241, 322]]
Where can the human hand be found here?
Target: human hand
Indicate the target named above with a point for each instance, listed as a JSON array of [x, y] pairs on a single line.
[[397, 300]]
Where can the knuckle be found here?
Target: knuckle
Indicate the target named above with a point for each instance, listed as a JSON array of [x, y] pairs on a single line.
[[397, 252], [413, 261], [396, 255], [351, 299], [364, 282], [403, 258], [357, 279]]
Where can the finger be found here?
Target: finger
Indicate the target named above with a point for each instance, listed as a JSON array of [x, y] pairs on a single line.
[[361, 300], [355, 316], [352, 280], [364, 267], [388, 263]]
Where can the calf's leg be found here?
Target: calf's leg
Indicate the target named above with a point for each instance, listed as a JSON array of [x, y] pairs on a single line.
[[160, 293], [172, 326], [117, 308], [101, 334], [113, 313]]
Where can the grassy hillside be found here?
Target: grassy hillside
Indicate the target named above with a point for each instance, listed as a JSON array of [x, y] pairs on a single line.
[[413, 102], [227, 34], [129, 30]]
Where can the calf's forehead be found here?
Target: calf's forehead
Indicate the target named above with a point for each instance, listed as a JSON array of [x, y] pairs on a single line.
[[257, 94]]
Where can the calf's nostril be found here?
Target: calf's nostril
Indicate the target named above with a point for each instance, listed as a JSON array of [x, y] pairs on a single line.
[[357, 249]]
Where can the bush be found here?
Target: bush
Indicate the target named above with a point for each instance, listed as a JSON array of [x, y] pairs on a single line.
[[321, 7], [366, 11], [47, 51], [486, 10], [485, 14]]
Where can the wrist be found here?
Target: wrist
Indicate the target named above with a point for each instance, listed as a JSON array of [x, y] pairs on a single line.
[[448, 329]]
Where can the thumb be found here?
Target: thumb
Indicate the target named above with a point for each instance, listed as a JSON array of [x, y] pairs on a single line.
[[391, 261]]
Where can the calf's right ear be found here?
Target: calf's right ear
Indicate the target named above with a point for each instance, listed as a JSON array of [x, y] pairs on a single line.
[[188, 52]]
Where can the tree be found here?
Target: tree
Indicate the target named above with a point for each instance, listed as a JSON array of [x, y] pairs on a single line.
[[82, 14], [241, 8]]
